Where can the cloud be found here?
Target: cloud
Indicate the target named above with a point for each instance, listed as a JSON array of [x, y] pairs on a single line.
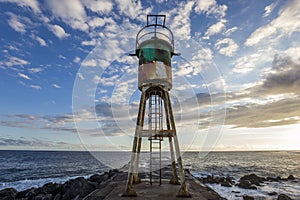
[[58, 31], [274, 101], [33, 4], [231, 30], [36, 87], [56, 86], [276, 113], [92, 42], [76, 59], [215, 28], [14, 61], [180, 25], [210, 7], [24, 76], [269, 9], [40, 40], [226, 47], [33, 143], [99, 6], [287, 22], [284, 75], [35, 70], [70, 12], [129, 8], [16, 24]]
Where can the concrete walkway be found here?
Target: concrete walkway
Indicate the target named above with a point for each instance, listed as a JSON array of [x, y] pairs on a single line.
[[113, 189]]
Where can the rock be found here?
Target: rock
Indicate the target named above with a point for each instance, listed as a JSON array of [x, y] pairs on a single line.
[[236, 192], [277, 179], [244, 184], [226, 184], [272, 193], [57, 197], [291, 177], [246, 197], [77, 187], [254, 179], [283, 197], [96, 178], [43, 197], [50, 188], [8, 194]]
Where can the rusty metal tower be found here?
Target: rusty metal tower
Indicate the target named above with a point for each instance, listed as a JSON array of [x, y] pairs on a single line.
[[154, 49]]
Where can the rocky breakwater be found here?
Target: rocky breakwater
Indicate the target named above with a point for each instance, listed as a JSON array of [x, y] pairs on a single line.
[[251, 182], [73, 189]]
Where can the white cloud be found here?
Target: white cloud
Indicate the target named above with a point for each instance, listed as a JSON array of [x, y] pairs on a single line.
[[76, 59], [24, 76], [216, 28], [40, 40], [89, 43], [269, 9], [33, 4], [58, 31], [16, 23], [249, 62], [284, 25], [210, 7], [35, 70], [97, 22], [231, 30], [14, 61], [99, 6], [180, 25], [226, 46], [89, 63], [36, 87], [70, 12], [56, 86], [131, 8]]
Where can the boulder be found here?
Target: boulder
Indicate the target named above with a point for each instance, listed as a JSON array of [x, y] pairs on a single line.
[[272, 193], [226, 184], [291, 177], [8, 194], [277, 179], [283, 197], [50, 188], [253, 178], [77, 187], [246, 197], [246, 184], [96, 178]]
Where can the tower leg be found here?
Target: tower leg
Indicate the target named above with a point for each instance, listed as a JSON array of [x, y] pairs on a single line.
[[133, 167], [183, 191], [174, 180]]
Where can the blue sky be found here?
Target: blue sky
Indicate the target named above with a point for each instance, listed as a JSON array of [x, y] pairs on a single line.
[[66, 81]]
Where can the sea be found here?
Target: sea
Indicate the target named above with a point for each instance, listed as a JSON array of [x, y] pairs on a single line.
[[26, 169]]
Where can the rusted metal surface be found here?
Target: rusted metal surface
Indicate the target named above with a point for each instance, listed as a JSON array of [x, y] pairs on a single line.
[[155, 74]]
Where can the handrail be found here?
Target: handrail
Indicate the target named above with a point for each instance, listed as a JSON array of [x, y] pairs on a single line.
[[155, 32]]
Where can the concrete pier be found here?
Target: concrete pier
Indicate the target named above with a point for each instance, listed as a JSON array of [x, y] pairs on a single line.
[[113, 189]]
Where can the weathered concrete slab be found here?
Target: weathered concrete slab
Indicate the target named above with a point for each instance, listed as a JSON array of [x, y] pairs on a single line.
[[113, 189]]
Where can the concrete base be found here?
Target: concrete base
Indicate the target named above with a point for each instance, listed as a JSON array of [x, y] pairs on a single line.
[[144, 190]]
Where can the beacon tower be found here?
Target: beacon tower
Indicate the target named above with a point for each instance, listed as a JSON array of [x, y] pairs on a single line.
[[155, 120]]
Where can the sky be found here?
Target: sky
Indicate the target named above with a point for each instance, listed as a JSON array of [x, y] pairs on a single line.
[[67, 82]]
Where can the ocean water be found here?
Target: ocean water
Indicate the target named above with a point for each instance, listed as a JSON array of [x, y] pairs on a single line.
[[26, 169]]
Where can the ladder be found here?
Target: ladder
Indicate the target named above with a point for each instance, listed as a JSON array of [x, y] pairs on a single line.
[[155, 124]]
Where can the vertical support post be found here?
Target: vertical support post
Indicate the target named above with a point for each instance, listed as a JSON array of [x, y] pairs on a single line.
[[174, 180], [129, 191], [183, 191]]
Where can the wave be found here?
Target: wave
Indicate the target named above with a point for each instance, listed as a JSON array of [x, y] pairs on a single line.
[[30, 183]]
